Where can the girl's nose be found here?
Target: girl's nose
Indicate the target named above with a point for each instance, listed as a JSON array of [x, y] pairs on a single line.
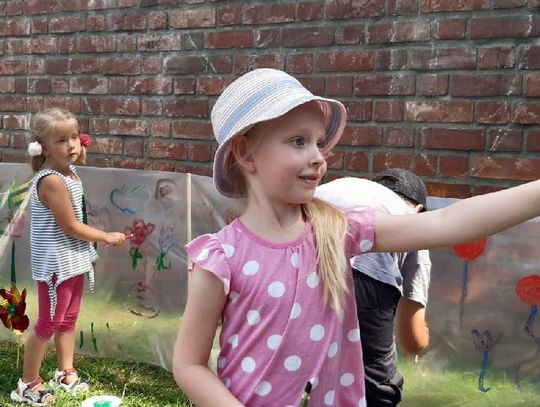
[[318, 157]]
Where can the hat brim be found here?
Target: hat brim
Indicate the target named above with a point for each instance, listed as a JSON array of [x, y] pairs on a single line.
[[335, 117]]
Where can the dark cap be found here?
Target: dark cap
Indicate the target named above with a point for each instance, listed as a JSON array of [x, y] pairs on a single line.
[[405, 183]]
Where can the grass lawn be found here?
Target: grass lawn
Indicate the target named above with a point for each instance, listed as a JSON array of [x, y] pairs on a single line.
[[146, 385]]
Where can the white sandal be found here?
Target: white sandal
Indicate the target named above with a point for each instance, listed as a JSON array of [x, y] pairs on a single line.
[[76, 386], [28, 393]]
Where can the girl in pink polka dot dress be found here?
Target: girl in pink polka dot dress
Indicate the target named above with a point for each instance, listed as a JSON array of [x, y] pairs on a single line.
[[278, 277]]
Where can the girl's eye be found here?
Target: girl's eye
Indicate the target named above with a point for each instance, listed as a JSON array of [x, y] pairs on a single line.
[[298, 141], [320, 144]]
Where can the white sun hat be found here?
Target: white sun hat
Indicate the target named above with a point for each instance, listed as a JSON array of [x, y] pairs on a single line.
[[260, 95]]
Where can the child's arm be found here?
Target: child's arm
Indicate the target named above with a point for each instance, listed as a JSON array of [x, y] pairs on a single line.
[[411, 328], [205, 303], [466, 220], [54, 195]]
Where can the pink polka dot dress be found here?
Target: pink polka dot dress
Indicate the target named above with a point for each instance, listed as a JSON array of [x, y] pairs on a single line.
[[276, 333]]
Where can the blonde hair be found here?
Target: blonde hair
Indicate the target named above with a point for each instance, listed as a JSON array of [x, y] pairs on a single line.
[[40, 129], [329, 227]]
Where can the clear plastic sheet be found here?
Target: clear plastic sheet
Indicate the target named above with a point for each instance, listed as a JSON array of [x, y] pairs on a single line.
[[137, 307]]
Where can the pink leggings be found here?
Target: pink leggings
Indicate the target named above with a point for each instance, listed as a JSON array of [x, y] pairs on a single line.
[[68, 304]]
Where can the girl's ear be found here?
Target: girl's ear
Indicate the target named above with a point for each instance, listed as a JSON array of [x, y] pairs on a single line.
[[242, 153]]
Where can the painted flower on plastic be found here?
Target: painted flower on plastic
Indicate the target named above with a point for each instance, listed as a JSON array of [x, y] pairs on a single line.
[[139, 231], [13, 308]]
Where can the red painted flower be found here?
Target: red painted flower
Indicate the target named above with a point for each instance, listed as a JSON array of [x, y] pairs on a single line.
[[471, 250], [85, 140], [139, 231], [528, 289]]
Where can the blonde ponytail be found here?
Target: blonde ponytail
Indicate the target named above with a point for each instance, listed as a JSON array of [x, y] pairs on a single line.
[[329, 228]]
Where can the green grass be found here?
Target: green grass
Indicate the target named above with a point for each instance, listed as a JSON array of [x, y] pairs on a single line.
[[139, 385]]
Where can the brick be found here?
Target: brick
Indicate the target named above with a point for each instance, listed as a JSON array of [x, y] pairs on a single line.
[[314, 84], [157, 20], [505, 27], [452, 139], [27, 85], [15, 121], [440, 6], [13, 67], [526, 113], [442, 59], [159, 42], [335, 160], [350, 35], [184, 86], [96, 23], [73, 104], [90, 105], [160, 149], [40, 46], [398, 137], [356, 161], [13, 8], [132, 163], [160, 128], [127, 106], [444, 190], [208, 85], [67, 24], [106, 145], [163, 166], [299, 63], [14, 28], [533, 140], [268, 14], [13, 47], [229, 39], [151, 107], [67, 45], [391, 60], [220, 64], [39, 25], [449, 29], [196, 18], [98, 126], [59, 85], [398, 31], [194, 130], [307, 37], [421, 164], [229, 15], [11, 104], [402, 7], [95, 86], [120, 66], [96, 43], [358, 110], [339, 85], [521, 169], [432, 85], [492, 112], [192, 40], [344, 61], [267, 39], [200, 152], [186, 108], [41, 7], [504, 140], [309, 11], [7, 85], [128, 127], [508, 3], [150, 86], [118, 85], [530, 58], [532, 85], [151, 65], [443, 112], [453, 166], [126, 43], [245, 63], [345, 9], [361, 136], [126, 21], [18, 141], [485, 85], [496, 57], [384, 85], [133, 148], [388, 111]]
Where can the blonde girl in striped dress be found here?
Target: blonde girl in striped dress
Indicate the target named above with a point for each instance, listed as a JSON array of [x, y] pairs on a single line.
[[61, 253]]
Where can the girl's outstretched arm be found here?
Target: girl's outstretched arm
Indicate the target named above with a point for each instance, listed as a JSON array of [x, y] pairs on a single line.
[[466, 220], [205, 303], [53, 193]]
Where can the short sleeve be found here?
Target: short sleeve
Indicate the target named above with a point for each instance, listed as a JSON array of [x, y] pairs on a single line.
[[416, 273], [361, 231], [207, 252]]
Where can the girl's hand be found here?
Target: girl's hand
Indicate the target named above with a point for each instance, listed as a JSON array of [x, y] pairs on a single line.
[[114, 238]]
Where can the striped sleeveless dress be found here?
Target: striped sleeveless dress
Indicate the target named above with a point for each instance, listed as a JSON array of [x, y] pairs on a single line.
[[53, 253]]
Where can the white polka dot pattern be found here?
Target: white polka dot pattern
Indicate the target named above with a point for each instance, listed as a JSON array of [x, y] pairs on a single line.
[[332, 349], [248, 364], [263, 389], [312, 280], [273, 341], [292, 363], [346, 379], [233, 340], [228, 249], [295, 260], [295, 311], [329, 398], [203, 255], [316, 333], [251, 268], [365, 245], [276, 289], [354, 335], [253, 317]]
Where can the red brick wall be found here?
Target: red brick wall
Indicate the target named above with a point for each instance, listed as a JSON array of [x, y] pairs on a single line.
[[448, 89]]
